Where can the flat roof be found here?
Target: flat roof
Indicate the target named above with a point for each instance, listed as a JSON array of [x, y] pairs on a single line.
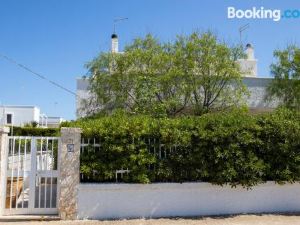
[[19, 106]]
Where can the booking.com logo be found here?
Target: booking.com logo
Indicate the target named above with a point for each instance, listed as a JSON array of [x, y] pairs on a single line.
[[262, 13]]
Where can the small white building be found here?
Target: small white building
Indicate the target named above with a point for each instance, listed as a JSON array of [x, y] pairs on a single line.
[[16, 115], [54, 121]]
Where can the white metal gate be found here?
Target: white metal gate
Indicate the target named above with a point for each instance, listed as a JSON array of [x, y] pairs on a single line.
[[32, 175]]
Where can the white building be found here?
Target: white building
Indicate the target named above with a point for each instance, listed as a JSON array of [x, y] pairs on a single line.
[[256, 85], [54, 121], [16, 115]]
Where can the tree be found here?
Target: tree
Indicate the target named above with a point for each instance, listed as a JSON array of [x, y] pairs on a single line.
[[214, 78], [195, 74], [286, 83]]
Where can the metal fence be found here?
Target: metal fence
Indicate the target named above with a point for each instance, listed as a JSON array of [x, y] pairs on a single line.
[[153, 145]]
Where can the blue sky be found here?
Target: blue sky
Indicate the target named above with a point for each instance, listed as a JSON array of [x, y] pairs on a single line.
[[57, 37]]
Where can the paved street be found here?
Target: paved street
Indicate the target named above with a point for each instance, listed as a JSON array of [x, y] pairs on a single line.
[[231, 220]]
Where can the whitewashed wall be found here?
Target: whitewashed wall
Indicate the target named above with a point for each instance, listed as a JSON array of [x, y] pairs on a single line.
[[106, 201], [20, 114], [82, 94], [255, 101]]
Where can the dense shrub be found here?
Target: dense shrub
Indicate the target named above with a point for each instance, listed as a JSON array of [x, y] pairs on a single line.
[[34, 131], [233, 148], [281, 145]]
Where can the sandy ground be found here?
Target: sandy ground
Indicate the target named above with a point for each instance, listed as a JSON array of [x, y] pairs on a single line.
[[230, 220]]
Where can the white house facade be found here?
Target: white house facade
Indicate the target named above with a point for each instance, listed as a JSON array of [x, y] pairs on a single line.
[[256, 85], [18, 115], [255, 101]]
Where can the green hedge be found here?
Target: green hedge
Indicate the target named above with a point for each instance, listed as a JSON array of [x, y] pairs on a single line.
[[34, 131], [233, 148]]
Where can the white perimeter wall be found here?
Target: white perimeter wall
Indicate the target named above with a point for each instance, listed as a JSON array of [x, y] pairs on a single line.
[[105, 201]]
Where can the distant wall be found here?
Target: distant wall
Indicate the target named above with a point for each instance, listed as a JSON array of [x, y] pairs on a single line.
[[256, 100], [257, 88], [54, 122], [119, 201], [82, 94]]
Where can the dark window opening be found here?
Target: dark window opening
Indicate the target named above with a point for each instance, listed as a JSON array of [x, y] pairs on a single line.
[[8, 118]]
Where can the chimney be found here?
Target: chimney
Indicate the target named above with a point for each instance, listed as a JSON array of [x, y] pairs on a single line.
[[250, 52], [114, 43], [248, 65]]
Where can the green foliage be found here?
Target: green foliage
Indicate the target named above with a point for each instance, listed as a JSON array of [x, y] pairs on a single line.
[[286, 72], [32, 124], [192, 75], [233, 148], [34, 131], [281, 147]]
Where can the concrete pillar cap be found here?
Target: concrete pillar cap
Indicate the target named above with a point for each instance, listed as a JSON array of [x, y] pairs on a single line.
[[4, 130], [71, 129]]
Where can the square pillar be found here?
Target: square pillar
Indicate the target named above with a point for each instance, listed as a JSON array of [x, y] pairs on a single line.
[[3, 165], [69, 165]]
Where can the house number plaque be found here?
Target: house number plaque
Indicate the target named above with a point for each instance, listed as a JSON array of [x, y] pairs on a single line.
[[70, 147]]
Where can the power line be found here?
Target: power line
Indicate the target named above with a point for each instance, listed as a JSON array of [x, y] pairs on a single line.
[[37, 74]]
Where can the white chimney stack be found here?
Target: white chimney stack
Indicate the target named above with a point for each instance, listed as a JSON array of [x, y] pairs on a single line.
[[248, 65], [250, 52], [114, 43]]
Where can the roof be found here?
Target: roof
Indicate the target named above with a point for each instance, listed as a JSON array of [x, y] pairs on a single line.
[[20, 106]]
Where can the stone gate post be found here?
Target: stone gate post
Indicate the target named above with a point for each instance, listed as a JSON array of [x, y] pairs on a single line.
[[69, 164], [3, 165]]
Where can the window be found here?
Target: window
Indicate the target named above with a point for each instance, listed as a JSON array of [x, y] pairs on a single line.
[[8, 118]]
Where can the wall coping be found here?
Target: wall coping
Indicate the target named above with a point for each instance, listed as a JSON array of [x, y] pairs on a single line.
[[71, 129], [160, 186]]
